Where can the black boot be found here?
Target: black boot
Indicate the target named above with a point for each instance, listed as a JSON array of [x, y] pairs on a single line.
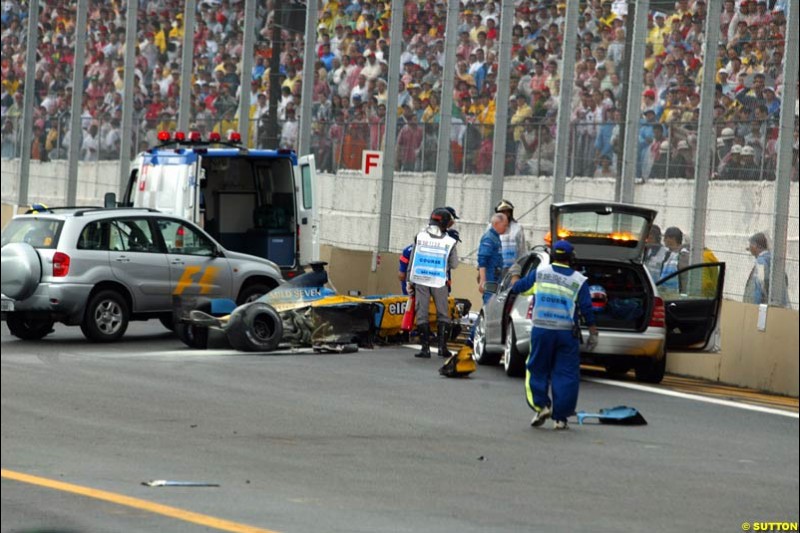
[[443, 332], [425, 340]]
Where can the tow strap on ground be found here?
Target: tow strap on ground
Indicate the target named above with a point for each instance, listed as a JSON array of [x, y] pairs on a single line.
[[621, 415]]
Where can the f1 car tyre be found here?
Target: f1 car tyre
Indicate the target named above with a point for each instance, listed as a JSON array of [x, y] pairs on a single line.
[[192, 336], [256, 327], [651, 370], [21, 270], [513, 362], [251, 293], [479, 352], [27, 329], [106, 318]]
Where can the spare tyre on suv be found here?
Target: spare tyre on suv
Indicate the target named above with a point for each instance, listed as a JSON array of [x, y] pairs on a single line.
[[101, 268]]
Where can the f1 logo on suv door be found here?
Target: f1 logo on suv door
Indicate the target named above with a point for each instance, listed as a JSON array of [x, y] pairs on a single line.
[[206, 281]]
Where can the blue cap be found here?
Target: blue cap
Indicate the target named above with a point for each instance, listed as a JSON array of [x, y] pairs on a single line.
[[563, 247]]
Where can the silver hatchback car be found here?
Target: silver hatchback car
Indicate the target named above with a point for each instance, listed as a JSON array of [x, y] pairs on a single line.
[[639, 319], [101, 268]]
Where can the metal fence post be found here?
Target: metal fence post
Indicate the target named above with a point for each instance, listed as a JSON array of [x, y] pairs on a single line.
[[390, 150], [248, 43], [706, 144], [27, 102], [309, 75], [633, 111], [565, 101], [187, 63], [780, 224], [127, 134], [446, 107], [501, 113], [77, 102]]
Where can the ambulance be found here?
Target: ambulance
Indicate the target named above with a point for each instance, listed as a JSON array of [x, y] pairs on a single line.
[[255, 201]]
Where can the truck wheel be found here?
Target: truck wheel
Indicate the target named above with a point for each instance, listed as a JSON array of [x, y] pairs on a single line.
[[106, 318], [651, 370], [251, 293], [256, 327], [29, 330], [513, 361]]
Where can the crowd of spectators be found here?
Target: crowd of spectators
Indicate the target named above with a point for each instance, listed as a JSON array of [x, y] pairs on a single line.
[[351, 71]]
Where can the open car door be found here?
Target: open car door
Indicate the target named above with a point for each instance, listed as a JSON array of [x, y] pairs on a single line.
[[692, 313], [307, 210]]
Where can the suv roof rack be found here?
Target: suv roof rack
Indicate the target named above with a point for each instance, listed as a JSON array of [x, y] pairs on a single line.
[[58, 208], [97, 209]]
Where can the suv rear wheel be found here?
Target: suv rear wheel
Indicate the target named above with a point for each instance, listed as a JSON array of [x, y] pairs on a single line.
[[107, 316], [28, 329]]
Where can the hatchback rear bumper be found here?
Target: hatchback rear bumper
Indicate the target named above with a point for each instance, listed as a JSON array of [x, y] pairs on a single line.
[[649, 343]]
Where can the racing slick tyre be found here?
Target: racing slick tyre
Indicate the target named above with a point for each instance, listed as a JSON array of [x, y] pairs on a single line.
[[479, 353], [192, 336], [106, 318], [251, 293], [27, 329], [22, 270], [513, 362], [256, 327], [651, 370]]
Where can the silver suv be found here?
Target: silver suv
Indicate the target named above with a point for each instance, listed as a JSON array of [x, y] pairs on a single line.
[[101, 268]]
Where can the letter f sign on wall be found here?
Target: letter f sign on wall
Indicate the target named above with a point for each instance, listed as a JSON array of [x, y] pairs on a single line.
[[371, 162]]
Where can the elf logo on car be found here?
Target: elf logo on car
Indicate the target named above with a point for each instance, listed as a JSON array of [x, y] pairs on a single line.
[[206, 281], [397, 308]]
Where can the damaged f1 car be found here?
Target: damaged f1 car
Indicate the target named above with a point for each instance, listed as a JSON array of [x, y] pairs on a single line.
[[304, 312]]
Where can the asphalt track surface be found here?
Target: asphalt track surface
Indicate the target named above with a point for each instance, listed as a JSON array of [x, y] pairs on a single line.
[[374, 441]]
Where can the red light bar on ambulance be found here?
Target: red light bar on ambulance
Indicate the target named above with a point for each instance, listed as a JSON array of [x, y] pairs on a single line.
[[235, 137], [164, 136], [195, 137], [180, 136], [214, 137]]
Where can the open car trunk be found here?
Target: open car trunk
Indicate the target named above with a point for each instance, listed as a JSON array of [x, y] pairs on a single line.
[[628, 291]]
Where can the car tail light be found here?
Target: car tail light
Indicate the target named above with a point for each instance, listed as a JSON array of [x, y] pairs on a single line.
[[658, 318], [60, 265]]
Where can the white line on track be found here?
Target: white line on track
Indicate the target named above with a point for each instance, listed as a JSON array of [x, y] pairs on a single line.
[[675, 394], [694, 397]]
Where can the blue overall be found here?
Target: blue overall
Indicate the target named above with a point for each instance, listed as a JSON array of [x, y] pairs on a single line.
[[554, 360], [490, 257]]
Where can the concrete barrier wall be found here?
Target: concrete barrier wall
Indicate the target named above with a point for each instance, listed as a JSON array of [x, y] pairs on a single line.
[[764, 360], [349, 206]]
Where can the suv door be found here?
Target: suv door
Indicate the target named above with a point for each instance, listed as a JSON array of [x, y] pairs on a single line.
[[196, 267], [693, 312], [139, 262]]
